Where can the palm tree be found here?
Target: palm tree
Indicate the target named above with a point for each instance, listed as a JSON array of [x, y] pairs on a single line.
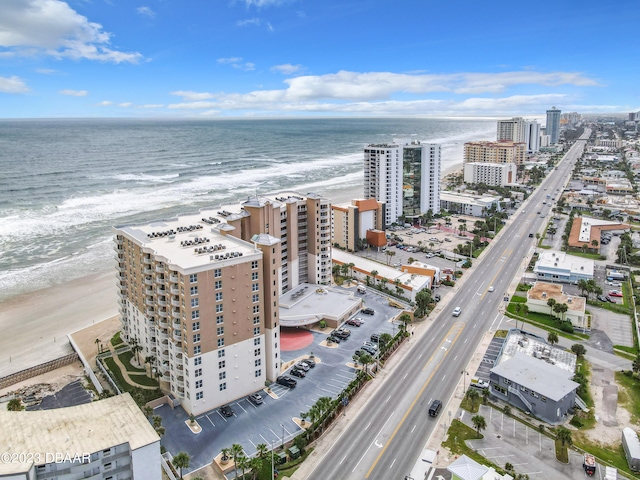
[[242, 463], [236, 452], [157, 424], [479, 422], [473, 396], [551, 302], [431, 245], [485, 395], [255, 464], [98, 345], [561, 308], [15, 405], [552, 338], [180, 461], [136, 348], [635, 366], [564, 435], [263, 450], [147, 410], [374, 274], [366, 360], [579, 350], [226, 452]]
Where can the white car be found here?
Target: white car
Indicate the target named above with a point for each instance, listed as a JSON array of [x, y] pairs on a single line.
[[491, 289], [457, 311]]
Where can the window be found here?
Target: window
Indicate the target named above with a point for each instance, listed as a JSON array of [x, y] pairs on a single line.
[[219, 308], [195, 314], [256, 330], [197, 361], [220, 331], [198, 372], [194, 302], [254, 276], [197, 350], [254, 265], [222, 364], [217, 273], [218, 284], [218, 296], [193, 278], [199, 395], [254, 287], [196, 326], [220, 342], [196, 338], [222, 375], [258, 372], [256, 309], [256, 297], [256, 352], [198, 383], [257, 362], [220, 319], [107, 466], [220, 353], [256, 341], [223, 386], [256, 320], [194, 290]]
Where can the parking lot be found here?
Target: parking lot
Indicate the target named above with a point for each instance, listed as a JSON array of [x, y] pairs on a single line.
[[272, 422], [489, 358]]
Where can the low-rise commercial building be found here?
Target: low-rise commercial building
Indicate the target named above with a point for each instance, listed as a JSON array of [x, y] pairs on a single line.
[[106, 439], [538, 301], [554, 266], [468, 204]]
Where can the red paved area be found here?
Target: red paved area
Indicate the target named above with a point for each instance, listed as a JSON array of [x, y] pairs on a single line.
[[294, 339]]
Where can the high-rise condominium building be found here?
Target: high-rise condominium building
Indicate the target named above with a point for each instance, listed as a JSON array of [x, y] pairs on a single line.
[[199, 293], [494, 152], [553, 124], [420, 179], [383, 177], [492, 174], [405, 175], [512, 130], [532, 136]]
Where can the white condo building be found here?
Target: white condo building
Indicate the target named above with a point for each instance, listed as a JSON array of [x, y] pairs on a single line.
[[492, 174], [405, 175], [512, 130], [532, 136]]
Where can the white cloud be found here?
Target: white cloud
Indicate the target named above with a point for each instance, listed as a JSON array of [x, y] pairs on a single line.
[[286, 68], [152, 105], [249, 21], [146, 12], [237, 62], [125, 104], [12, 85], [74, 93], [265, 3], [46, 71], [192, 96], [52, 27], [104, 103]]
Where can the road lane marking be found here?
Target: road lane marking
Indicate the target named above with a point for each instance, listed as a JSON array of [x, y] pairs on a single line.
[[391, 466], [375, 441], [343, 458]]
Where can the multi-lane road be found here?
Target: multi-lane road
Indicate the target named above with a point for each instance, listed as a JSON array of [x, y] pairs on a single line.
[[385, 439]]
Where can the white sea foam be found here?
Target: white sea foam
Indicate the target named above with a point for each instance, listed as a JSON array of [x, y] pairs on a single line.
[[143, 178]]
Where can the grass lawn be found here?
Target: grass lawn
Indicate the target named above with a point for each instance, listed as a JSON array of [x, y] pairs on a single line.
[[125, 358], [540, 319], [585, 420], [612, 456], [142, 379], [562, 453], [116, 340], [629, 394], [141, 396]]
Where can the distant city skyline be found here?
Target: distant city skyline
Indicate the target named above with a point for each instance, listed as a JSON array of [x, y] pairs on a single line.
[[277, 58]]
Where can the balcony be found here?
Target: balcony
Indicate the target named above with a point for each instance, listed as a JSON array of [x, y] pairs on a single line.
[[149, 291], [148, 271], [119, 240], [147, 260], [163, 336], [149, 302], [161, 290], [175, 313], [148, 281], [176, 324], [120, 268], [163, 323], [160, 280], [160, 268], [163, 313], [173, 278], [174, 290], [177, 335], [162, 303], [150, 312], [164, 356], [175, 302]]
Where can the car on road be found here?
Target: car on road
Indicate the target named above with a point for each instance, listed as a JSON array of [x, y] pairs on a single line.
[[457, 311], [368, 311], [287, 381], [298, 372], [255, 398], [491, 289], [436, 297], [354, 322], [226, 411], [435, 408], [531, 235]]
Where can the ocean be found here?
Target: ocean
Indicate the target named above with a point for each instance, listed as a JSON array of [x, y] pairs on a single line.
[[65, 182]]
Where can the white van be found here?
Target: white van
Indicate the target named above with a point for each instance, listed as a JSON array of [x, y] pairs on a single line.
[[361, 289]]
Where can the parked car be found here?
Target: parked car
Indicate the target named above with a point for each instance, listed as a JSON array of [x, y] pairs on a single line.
[[614, 284], [368, 311], [310, 362], [335, 339], [226, 411], [302, 366], [375, 337], [297, 372], [340, 334], [287, 381], [602, 298], [615, 293], [447, 239], [370, 345], [255, 398], [436, 297], [355, 322], [369, 350]]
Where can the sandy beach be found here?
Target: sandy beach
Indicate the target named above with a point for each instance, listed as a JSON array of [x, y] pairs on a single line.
[[35, 324]]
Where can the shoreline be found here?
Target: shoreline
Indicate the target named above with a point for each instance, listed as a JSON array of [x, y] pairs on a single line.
[[38, 321]]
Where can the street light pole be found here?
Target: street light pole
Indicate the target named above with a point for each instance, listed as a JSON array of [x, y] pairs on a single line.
[[464, 373], [272, 460], [282, 435]]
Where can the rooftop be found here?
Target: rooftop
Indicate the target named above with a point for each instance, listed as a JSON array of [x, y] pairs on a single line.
[[469, 199], [554, 260], [86, 428], [539, 376], [544, 291], [521, 342], [307, 304]]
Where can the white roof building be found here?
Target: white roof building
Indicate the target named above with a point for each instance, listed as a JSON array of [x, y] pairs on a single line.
[[561, 267]]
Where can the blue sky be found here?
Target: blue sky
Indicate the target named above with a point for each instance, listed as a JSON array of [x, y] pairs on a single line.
[[276, 58]]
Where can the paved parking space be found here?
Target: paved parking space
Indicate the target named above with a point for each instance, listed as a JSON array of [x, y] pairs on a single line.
[[272, 421], [71, 395], [489, 358]]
